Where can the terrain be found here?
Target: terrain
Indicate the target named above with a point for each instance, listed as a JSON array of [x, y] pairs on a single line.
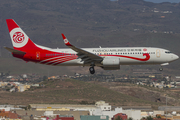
[[70, 91], [89, 24], [160, 1]]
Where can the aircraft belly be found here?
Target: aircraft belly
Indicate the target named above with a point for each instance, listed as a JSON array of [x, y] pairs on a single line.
[[76, 62], [127, 61]]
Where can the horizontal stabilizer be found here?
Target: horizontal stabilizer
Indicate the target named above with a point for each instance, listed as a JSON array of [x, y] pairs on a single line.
[[15, 51]]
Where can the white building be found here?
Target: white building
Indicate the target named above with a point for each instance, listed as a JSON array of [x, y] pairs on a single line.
[[24, 76], [8, 107], [21, 88], [144, 114], [9, 77], [35, 85], [135, 114], [5, 108], [103, 106], [98, 105], [12, 89], [106, 113], [49, 114]]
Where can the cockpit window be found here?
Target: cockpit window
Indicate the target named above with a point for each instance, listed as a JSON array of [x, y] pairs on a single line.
[[168, 52]]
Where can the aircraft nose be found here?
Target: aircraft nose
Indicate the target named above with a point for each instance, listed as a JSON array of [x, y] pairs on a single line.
[[176, 57]]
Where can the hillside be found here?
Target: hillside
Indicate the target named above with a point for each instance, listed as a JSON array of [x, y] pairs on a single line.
[[90, 24], [74, 91], [146, 93], [160, 1]]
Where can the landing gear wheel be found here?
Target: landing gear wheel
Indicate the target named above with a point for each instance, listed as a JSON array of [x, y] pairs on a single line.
[[91, 70], [161, 69]]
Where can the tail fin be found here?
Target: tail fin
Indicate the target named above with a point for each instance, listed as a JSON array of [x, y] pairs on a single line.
[[19, 38]]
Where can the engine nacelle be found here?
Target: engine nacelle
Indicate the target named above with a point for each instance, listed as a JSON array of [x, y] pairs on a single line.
[[111, 63]]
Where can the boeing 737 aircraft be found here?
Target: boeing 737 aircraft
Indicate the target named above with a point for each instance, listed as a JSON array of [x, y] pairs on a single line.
[[106, 58]]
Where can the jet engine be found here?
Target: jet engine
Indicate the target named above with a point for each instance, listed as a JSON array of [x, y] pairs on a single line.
[[111, 63]]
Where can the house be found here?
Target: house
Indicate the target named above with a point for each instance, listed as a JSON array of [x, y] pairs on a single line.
[[97, 117], [121, 115], [8, 114]]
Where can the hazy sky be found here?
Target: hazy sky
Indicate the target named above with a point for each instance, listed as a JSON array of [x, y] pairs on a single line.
[[159, 1]]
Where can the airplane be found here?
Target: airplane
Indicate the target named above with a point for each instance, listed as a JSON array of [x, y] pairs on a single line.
[[106, 58]]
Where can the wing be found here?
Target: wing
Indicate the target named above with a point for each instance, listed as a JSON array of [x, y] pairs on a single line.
[[15, 51], [86, 56]]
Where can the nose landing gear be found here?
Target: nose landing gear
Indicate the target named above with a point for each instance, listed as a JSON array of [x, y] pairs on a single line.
[[91, 70], [161, 69]]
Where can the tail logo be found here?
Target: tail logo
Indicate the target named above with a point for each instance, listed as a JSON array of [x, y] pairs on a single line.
[[18, 37], [66, 41]]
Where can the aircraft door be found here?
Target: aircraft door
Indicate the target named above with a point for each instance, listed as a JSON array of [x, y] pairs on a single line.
[[158, 53]]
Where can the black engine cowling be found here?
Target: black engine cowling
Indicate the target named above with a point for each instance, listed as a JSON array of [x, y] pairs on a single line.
[[111, 63]]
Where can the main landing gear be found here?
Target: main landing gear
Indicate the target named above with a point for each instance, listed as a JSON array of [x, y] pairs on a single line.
[[91, 70]]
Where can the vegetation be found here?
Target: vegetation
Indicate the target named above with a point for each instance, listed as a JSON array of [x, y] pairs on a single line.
[[72, 91], [86, 103], [147, 118], [130, 118], [158, 116], [118, 118]]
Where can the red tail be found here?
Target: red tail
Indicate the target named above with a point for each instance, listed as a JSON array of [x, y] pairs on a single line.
[[19, 38]]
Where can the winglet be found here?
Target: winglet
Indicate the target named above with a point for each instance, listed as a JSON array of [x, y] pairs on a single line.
[[67, 43]]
